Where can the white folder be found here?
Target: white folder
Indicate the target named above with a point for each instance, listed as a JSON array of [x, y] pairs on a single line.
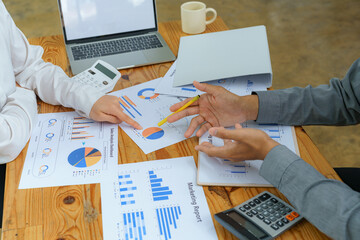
[[221, 55]]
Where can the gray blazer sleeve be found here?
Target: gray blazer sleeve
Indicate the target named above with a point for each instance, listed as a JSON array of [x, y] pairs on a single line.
[[337, 103], [330, 205]]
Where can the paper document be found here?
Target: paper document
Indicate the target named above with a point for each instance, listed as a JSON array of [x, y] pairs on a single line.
[[148, 108], [239, 85], [156, 200], [223, 172], [67, 149]]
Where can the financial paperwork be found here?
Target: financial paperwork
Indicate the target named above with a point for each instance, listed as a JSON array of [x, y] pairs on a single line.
[[223, 172], [243, 85], [148, 108], [156, 200], [67, 149]]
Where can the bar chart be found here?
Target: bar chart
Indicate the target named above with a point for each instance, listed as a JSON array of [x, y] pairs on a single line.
[[129, 106], [168, 218], [134, 225], [236, 167], [159, 191], [127, 190], [80, 128]]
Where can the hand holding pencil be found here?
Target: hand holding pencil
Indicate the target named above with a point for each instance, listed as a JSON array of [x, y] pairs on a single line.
[[217, 107]]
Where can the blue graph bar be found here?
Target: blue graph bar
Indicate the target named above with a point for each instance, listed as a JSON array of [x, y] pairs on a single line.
[[188, 89], [153, 176], [127, 189], [156, 194], [156, 180], [151, 172], [237, 171], [275, 136], [161, 198], [126, 109], [167, 220], [160, 189], [270, 130], [128, 202], [155, 185]]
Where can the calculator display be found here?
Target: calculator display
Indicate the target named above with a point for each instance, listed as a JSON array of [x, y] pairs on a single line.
[[105, 71], [257, 232]]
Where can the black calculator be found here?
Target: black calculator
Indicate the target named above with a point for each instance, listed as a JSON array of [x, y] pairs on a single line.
[[262, 217]]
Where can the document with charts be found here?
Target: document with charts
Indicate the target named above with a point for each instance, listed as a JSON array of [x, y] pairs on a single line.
[[223, 172], [156, 200], [148, 108], [243, 85], [67, 149]]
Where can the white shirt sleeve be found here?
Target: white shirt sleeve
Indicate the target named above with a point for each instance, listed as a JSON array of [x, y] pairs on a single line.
[[48, 81], [17, 118]]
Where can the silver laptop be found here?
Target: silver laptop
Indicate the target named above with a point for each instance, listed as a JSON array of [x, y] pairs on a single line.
[[123, 33]]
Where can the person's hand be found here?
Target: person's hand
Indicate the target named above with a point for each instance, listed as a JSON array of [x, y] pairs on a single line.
[[108, 109], [239, 144], [217, 107]]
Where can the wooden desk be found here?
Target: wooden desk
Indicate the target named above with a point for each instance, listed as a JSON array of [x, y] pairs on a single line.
[[74, 212]]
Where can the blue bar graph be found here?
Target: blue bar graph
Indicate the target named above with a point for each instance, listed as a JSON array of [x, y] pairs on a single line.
[[134, 225], [159, 192], [168, 218], [189, 89], [127, 189]]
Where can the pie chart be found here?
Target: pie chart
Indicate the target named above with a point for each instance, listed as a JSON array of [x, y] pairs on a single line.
[[84, 157], [147, 93], [153, 133]]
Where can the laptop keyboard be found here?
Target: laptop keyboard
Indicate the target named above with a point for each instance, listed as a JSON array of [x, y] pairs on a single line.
[[99, 49]]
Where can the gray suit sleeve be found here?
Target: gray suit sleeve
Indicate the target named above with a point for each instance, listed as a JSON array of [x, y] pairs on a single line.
[[332, 206], [337, 103]]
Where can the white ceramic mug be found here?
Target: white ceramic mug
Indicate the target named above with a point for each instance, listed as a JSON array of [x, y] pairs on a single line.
[[193, 17]]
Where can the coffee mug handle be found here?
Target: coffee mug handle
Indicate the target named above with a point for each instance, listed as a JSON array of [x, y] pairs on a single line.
[[213, 18]]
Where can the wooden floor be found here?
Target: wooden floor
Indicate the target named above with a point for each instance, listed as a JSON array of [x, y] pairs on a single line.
[[310, 42]]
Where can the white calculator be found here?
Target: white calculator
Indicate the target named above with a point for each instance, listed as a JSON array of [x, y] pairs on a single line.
[[100, 75], [262, 217]]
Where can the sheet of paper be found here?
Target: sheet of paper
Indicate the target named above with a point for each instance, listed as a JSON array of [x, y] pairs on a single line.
[[67, 149], [240, 85], [156, 200], [148, 108], [223, 172]]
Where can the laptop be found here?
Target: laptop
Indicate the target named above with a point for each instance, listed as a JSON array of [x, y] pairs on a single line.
[[123, 33]]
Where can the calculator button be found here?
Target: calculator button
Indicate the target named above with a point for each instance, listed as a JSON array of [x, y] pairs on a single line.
[[260, 216], [242, 209], [264, 206], [254, 211], [284, 220], [281, 205], [287, 209], [271, 210], [269, 203], [275, 227], [257, 201], [264, 197], [267, 221], [280, 223], [277, 215], [266, 213], [247, 207], [249, 214], [290, 217], [252, 204], [283, 212], [274, 200], [259, 209], [294, 214], [105, 83], [272, 218]]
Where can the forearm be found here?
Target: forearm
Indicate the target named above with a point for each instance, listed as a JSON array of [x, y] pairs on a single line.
[[330, 205], [16, 121]]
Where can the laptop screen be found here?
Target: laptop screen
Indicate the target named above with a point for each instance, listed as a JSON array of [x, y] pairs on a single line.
[[93, 18]]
